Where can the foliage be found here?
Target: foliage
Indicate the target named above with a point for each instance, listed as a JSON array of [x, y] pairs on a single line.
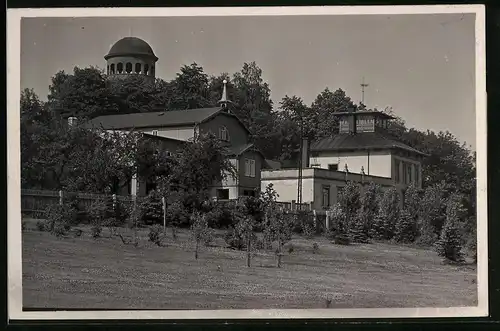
[[42, 226], [449, 244], [315, 247], [152, 208], [384, 225], [156, 235], [350, 202], [337, 220], [432, 214], [95, 231], [60, 218], [200, 231], [363, 226], [406, 227]]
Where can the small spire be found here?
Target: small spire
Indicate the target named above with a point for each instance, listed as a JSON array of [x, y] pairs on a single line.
[[224, 100]]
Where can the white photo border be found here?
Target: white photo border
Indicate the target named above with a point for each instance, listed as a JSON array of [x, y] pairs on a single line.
[[14, 235]]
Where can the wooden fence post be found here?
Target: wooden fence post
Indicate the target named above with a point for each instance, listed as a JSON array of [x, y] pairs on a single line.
[[164, 207], [61, 197]]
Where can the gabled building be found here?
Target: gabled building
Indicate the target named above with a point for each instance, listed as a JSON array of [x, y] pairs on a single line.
[[363, 152], [174, 128]]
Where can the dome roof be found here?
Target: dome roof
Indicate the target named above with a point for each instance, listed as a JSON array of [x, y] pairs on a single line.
[[131, 46]]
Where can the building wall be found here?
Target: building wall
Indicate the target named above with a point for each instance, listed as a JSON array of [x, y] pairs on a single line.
[[245, 181], [237, 134], [180, 133], [374, 163], [415, 166], [285, 182]]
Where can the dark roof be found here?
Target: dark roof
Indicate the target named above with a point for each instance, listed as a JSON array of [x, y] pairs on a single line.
[[365, 112], [156, 119], [238, 150], [131, 46], [360, 141]]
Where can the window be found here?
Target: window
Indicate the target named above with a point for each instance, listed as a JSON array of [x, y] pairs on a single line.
[[339, 192], [409, 168], [128, 67], [223, 134], [333, 167], [112, 68], [249, 168], [146, 69], [155, 132], [119, 68], [315, 165], [326, 196], [223, 194], [137, 68], [396, 170], [169, 154]]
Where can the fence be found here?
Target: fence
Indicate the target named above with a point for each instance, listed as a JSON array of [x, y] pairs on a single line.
[[35, 202]]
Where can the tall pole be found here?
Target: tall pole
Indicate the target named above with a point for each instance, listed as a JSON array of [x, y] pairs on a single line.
[[363, 85], [299, 184]]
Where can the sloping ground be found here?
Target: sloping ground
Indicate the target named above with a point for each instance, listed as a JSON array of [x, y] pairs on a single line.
[[104, 273]]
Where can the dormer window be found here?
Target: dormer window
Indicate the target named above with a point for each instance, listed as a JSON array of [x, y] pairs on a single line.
[[223, 134], [155, 132]]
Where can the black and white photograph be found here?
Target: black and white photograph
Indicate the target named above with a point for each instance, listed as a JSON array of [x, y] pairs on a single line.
[[278, 162]]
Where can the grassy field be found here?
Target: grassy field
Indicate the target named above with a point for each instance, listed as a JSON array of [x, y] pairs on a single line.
[[105, 273]]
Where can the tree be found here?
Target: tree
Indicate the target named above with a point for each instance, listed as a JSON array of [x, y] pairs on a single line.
[[201, 163], [449, 244], [349, 201], [83, 93], [406, 228], [361, 230], [388, 215], [432, 213], [325, 105], [253, 105], [190, 88], [200, 231], [245, 229]]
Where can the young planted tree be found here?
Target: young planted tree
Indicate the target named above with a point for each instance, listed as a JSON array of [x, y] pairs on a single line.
[[200, 231], [245, 229], [449, 244], [281, 231]]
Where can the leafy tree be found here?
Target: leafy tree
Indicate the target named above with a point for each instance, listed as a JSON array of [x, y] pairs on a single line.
[[190, 89], [324, 107], [449, 245], [201, 163], [432, 213], [350, 202], [388, 215], [84, 93], [200, 231]]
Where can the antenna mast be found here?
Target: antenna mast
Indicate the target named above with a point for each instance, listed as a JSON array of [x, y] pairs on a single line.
[[363, 85]]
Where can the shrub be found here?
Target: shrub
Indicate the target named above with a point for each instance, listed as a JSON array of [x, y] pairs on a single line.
[[432, 214], [315, 248], [350, 202], [369, 204], [95, 231], [61, 217], [234, 240], [358, 229], [156, 234], [406, 228], [41, 226], [342, 240], [337, 221], [152, 208], [290, 249], [384, 225], [449, 244]]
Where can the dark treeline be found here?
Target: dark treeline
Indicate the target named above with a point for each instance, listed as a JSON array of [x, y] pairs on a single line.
[[85, 93]]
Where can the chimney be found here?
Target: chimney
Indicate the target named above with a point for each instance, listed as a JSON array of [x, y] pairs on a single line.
[[72, 121], [305, 153]]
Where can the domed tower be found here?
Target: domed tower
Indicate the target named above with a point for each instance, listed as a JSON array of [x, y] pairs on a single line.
[[131, 56]]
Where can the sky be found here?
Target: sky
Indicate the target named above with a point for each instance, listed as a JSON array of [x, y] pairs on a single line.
[[423, 66]]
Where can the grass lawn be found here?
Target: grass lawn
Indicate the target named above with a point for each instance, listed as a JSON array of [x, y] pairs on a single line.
[[105, 273]]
